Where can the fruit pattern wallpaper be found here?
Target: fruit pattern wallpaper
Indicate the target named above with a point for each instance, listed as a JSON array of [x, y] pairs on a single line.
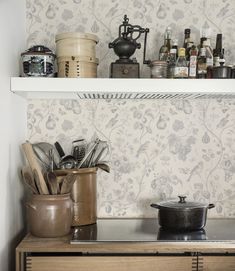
[[158, 149]]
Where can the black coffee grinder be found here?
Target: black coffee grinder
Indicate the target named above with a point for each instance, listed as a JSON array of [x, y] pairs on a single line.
[[124, 47]]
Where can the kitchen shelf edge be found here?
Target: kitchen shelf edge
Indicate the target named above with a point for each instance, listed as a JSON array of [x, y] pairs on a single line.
[[108, 88]]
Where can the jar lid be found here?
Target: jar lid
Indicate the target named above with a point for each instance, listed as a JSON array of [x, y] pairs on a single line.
[[181, 204], [76, 35], [39, 50]]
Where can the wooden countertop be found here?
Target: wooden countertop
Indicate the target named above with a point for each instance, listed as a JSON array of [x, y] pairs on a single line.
[[62, 244]]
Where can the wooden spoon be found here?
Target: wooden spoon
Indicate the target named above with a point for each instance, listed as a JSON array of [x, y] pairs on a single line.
[[67, 183], [38, 183], [28, 180], [52, 182]]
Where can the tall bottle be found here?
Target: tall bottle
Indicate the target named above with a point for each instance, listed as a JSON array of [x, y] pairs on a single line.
[[165, 48], [171, 63], [201, 64], [218, 52], [175, 46], [209, 52], [181, 66], [187, 42], [193, 62]]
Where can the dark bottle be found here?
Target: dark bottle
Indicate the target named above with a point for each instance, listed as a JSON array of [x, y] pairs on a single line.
[[165, 48], [187, 43], [201, 64], [218, 52], [187, 33]]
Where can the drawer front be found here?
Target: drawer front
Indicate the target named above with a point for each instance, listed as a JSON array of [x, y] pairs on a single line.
[[218, 263], [110, 263]]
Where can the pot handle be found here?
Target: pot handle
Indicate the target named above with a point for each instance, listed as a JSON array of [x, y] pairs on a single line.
[[211, 205], [154, 205]]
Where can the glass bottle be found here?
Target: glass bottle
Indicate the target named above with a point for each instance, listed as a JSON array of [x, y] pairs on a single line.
[[187, 42], [175, 46], [171, 63], [165, 48], [209, 52], [187, 33], [181, 66], [218, 52], [201, 64], [193, 62]]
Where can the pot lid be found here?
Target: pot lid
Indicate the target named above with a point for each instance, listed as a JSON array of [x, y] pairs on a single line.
[[182, 204]]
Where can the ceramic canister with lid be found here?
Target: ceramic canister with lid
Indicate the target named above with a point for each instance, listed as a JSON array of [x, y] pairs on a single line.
[[38, 61]]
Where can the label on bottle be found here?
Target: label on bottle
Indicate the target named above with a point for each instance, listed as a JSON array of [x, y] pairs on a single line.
[[163, 56], [181, 72], [209, 61], [193, 66]]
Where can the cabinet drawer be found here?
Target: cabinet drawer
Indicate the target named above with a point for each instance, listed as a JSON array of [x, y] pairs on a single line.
[[218, 263], [110, 263]]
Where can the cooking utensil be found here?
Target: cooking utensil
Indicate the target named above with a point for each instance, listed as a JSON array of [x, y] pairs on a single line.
[[103, 166], [38, 182], [89, 152], [79, 149], [29, 181], [67, 183], [182, 215], [52, 182], [59, 149], [66, 161], [34, 165]]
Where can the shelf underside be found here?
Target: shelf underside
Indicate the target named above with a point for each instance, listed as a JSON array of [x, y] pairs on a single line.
[[106, 88]]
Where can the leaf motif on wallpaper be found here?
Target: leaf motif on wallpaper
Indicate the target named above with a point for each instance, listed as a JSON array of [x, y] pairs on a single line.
[[95, 28], [112, 11], [223, 122], [32, 36], [112, 122], [142, 149]]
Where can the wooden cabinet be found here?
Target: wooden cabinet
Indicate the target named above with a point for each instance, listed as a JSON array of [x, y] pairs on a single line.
[[109, 263], [57, 254], [218, 263]]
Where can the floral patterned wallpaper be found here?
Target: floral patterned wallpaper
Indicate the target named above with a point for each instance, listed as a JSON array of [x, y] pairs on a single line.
[[159, 149]]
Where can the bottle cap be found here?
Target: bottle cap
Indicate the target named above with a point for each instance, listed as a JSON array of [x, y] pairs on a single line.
[[181, 52], [187, 31]]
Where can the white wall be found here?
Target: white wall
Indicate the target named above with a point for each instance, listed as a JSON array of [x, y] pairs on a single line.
[[13, 130]]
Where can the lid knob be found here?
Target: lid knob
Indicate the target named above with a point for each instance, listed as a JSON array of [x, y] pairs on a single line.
[[182, 199]]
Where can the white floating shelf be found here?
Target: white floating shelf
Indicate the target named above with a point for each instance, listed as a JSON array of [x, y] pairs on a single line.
[[110, 88]]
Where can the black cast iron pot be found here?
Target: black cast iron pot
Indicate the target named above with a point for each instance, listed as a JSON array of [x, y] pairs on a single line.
[[182, 215]]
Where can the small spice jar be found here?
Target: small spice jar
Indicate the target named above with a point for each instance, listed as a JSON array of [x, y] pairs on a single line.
[[158, 69]]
